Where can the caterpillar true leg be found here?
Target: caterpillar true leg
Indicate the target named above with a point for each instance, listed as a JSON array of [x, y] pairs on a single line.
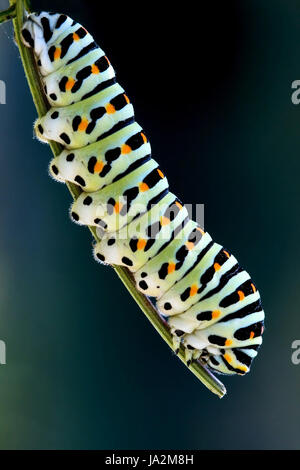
[[213, 307]]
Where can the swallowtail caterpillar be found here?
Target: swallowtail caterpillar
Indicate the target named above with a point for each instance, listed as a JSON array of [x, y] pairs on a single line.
[[211, 304]]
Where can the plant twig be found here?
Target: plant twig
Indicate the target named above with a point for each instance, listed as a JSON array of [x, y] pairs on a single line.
[[8, 14], [32, 75]]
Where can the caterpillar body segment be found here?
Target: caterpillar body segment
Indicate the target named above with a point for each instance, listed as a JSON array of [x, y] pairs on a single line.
[[91, 73], [211, 304], [155, 278], [141, 240], [103, 162], [86, 121], [203, 278], [120, 202]]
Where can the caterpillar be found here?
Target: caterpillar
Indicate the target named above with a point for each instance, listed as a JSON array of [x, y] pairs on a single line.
[[211, 304]]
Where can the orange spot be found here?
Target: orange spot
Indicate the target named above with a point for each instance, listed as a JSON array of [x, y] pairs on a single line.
[[193, 290], [83, 125], [110, 109], [95, 69], [70, 83], [75, 37], [160, 173], [164, 220], [243, 368], [227, 254], [171, 268], [262, 330], [125, 148], [228, 342], [143, 187], [178, 204], [241, 294], [98, 167], [57, 53], [200, 230], [189, 245], [216, 314], [253, 287], [217, 266], [127, 99], [252, 335], [141, 244], [227, 357], [107, 60], [118, 207], [144, 137]]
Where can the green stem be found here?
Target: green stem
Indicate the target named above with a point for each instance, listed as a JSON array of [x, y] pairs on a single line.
[[8, 14], [203, 374]]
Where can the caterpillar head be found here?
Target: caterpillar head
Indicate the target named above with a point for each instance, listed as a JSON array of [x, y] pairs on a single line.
[[39, 31], [40, 27], [28, 34]]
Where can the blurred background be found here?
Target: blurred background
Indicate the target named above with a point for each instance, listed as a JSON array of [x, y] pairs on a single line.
[[85, 369]]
